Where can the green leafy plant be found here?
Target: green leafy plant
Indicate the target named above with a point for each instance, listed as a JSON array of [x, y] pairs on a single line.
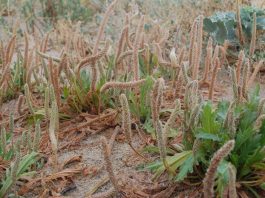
[[222, 25], [243, 122]]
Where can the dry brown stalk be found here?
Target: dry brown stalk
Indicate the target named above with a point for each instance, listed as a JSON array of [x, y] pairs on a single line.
[[171, 120], [254, 36], [46, 56], [194, 72], [136, 46], [199, 41], [208, 61], [232, 181], [102, 26], [44, 43], [126, 118], [107, 194], [254, 74], [215, 55], [245, 79], [20, 104], [10, 50], [122, 85], [212, 84], [241, 58], [56, 85], [208, 182], [126, 122], [193, 39], [239, 24], [106, 153], [63, 64], [26, 52], [92, 59], [156, 99]]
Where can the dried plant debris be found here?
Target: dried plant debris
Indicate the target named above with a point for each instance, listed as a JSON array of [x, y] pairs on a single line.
[[132, 99]]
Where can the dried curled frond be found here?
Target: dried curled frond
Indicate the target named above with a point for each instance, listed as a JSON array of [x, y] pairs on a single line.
[[106, 153], [208, 182], [122, 85], [254, 36]]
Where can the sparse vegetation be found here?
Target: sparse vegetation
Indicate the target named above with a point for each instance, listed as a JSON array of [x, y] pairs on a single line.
[[175, 103]]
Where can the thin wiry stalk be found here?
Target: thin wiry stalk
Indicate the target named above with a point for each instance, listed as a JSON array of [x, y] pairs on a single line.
[[254, 36], [106, 153], [208, 181], [212, 84], [121, 85]]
